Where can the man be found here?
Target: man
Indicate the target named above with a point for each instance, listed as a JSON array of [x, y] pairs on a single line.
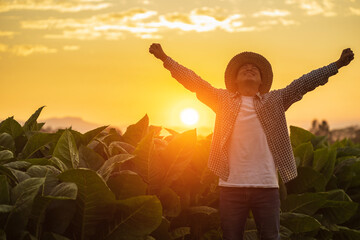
[[251, 143]]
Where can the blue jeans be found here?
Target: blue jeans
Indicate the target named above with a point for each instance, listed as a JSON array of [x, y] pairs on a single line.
[[234, 206]]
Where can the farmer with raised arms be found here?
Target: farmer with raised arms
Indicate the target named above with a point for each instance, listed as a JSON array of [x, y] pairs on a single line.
[[250, 146]]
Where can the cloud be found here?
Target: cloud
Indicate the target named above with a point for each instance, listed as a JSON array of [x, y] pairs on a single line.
[[3, 47], [7, 34], [272, 13], [27, 49], [313, 7], [56, 5], [355, 11], [71, 48]]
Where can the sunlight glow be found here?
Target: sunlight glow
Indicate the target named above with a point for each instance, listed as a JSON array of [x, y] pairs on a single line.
[[189, 116]]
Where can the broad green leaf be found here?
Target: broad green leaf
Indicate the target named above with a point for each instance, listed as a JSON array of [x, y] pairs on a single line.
[[307, 179], [162, 231], [339, 207], [7, 172], [135, 132], [95, 201], [108, 167], [299, 223], [35, 142], [321, 156], [348, 173], [4, 208], [299, 136], [142, 154], [50, 174], [328, 169], [53, 236], [4, 190], [89, 158], [66, 150], [125, 184], [6, 155], [11, 127], [178, 155], [116, 148], [170, 202], [31, 124], [347, 233], [23, 196], [20, 175], [180, 232], [306, 203], [18, 165], [90, 135], [304, 151], [58, 164], [63, 191], [7, 141], [139, 216]]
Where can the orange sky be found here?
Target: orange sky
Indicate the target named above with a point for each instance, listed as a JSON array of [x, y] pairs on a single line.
[[90, 59]]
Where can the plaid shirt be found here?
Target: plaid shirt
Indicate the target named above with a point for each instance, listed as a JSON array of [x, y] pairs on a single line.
[[270, 108]]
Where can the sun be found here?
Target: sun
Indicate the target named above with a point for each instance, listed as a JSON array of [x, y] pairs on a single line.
[[189, 116]]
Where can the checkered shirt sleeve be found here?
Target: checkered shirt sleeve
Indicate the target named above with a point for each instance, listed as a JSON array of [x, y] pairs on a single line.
[[206, 93]]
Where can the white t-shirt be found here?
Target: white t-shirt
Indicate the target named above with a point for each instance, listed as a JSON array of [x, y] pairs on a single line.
[[250, 160]]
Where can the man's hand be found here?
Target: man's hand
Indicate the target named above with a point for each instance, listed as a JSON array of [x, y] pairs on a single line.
[[157, 51], [346, 57]]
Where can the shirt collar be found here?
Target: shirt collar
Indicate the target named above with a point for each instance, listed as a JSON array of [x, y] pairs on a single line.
[[236, 94]]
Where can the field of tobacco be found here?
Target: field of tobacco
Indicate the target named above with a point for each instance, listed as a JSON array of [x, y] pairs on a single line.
[[140, 185]]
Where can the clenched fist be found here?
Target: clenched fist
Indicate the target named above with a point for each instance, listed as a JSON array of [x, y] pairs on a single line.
[[346, 57], [157, 51]]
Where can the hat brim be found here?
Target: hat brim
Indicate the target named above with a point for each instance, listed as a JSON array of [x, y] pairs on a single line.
[[244, 58]]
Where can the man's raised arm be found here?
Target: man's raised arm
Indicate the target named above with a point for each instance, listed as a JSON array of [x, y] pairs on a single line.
[[308, 82], [189, 79]]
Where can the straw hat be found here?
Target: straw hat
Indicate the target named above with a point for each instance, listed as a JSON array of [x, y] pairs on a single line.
[[249, 57]]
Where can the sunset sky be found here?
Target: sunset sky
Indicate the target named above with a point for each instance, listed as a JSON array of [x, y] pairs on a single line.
[[90, 58]]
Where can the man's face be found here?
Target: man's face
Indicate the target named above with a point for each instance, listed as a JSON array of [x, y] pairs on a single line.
[[248, 76]]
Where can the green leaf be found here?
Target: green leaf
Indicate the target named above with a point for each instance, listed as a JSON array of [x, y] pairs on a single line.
[[66, 150], [304, 151], [328, 169], [49, 172], [143, 151], [37, 141], [307, 179], [90, 135], [348, 173], [4, 190], [180, 232], [321, 156], [54, 236], [170, 202], [95, 201], [7, 141], [62, 191], [7, 172], [19, 165], [6, 155], [299, 223], [125, 184], [109, 166], [89, 158], [31, 124], [135, 132], [162, 231], [339, 207], [299, 136], [306, 203], [178, 155], [23, 195], [347, 233], [11, 127], [139, 217]]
